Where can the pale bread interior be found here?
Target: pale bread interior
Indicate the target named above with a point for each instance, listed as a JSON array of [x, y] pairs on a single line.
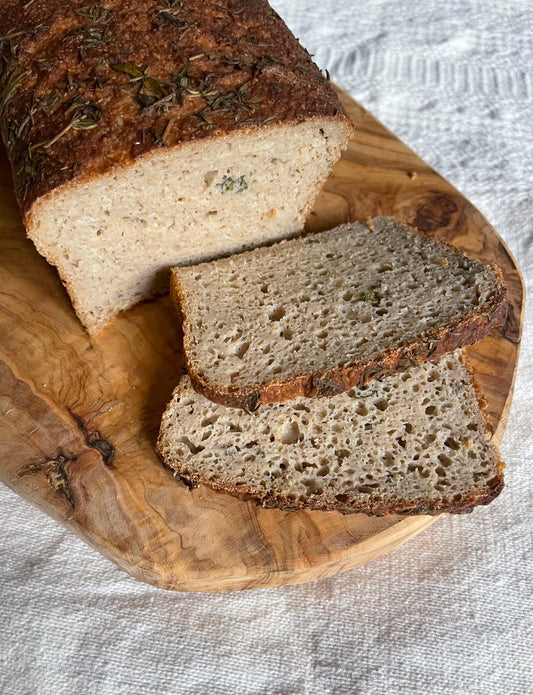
[[114, 237]]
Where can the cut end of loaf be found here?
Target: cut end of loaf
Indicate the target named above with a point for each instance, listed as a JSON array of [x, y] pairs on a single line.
[[413, 443], [330, 311], [190, 203]]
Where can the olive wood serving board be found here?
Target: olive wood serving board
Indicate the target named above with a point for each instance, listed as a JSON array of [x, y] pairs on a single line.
[[79, 418]]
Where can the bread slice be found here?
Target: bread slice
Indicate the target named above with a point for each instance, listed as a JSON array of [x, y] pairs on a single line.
[[149, 134], [318, 315], [413, 442]]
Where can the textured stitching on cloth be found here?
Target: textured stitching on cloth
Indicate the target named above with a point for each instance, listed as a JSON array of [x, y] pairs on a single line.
[[428, 72]]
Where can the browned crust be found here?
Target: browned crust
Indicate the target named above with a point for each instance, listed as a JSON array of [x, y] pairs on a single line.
[[480, 396], [459, 504], [87, 89], [463, 504], [431, 345]]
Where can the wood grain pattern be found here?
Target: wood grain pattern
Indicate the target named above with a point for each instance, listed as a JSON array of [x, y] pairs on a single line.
[[79, 418]]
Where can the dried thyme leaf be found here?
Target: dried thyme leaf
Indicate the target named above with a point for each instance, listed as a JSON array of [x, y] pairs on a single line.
[[270, 13], [257, 42], [378, 371], [181, 78], [9, 83], [227, 60], [175, 45], [168, 13], [43, 65], [231, 101], [158, 139], [96, 82], [32, 168], [46, 105], [205, 122], [162, 105], [86, 111], [15, 33], [85, 117], [95, 33], [83, 122], [95, 14], [152, 92], [167, 129], [129, 69], [432, 344], [260, 122], [265, 61]]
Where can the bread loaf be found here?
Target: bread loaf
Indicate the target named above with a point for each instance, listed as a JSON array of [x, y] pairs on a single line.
[[315, 316], [153, 133], [414, 442]]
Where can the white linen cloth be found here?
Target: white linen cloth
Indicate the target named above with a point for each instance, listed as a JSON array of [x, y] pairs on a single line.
[[447, 613]]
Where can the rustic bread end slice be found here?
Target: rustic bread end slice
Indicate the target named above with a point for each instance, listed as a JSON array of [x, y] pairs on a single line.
[[414, 442], [317, 315], [114, 238], [186, 131]]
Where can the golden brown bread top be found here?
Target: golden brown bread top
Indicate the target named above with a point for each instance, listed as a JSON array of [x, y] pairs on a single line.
[[86, 87]]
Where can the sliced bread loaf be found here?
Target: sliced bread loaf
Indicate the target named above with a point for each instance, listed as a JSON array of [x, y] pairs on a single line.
[[413, 442], [147, 134], [318, 315]]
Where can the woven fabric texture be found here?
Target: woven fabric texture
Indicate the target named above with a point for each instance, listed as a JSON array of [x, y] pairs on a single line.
[[447, 613]]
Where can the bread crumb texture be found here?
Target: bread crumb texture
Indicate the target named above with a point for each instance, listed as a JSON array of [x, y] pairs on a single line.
[[412, 443], [338, 298]]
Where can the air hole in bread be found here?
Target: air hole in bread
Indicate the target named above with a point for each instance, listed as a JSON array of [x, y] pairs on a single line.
[[445, 460], [276, 314], [242, 349], [291, 434], [191, 446], [452, 443], [210, 176]]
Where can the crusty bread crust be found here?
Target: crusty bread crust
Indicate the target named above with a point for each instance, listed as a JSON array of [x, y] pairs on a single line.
[[90, 89], [469, 330], [465, 505]]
